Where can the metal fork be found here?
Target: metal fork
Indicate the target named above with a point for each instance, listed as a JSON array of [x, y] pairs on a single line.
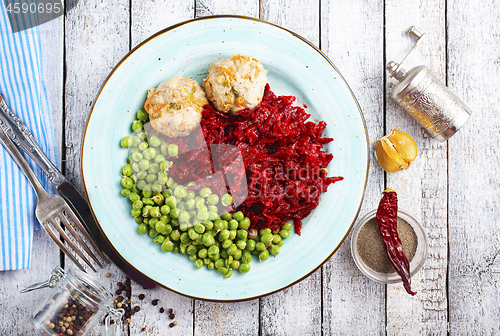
[[51, 210]]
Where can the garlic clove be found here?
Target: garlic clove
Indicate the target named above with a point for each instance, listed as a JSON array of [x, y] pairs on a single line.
[[395, 151], [404, 145]]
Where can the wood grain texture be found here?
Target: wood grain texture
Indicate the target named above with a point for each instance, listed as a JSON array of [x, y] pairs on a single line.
[[149, 17], [422, 189], [296, 310], [474, 75], [219, 7], [352, 37], [15, 307], [96, 38]]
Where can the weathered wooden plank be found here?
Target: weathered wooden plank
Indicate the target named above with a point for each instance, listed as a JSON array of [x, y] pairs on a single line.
[[211, 318], [15, 308], [422, 190], [218, 7], [352, 36], [296, 310], [474, 233], [96, 38], [148, 18]]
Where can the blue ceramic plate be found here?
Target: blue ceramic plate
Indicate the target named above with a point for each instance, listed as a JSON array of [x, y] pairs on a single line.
[[296, 68]]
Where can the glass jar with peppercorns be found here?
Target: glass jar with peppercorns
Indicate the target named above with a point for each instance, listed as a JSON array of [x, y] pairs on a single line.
[[75, 305]]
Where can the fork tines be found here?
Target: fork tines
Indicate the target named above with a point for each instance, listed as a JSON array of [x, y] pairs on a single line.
[[63, 218]]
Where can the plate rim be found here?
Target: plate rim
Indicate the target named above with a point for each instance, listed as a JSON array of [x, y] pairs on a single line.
[[103, 235]]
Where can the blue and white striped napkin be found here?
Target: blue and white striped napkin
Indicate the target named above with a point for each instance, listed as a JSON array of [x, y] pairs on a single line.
[[22, 86]]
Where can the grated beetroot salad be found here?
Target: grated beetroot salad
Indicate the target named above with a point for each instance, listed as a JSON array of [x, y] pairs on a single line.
[[283, 160]]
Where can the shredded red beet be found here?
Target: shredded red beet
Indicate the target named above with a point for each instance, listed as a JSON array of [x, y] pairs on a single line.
[[282, 175]]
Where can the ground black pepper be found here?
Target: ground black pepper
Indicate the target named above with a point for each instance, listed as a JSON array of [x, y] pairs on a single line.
[[371, 248]]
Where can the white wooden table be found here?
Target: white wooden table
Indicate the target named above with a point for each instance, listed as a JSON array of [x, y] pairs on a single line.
[[452, 187]]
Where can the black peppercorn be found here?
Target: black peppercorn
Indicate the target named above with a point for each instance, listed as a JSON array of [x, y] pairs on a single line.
[[162, 310], [154, 302], [141, 297]]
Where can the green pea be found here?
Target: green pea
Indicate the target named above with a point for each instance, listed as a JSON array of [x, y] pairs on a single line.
[[233, 224], [155, 212], [142, 147], [213, 250], [206, 261], [274, 250], [228, 273], [185, 238], [235, 264], [264, 255], [238, 254], [135, 213], [193, 257], [226, 199], [252, 233], [208, 225], [126, 142], [223, 235], [241, 244], [208, 240], [244, 267], [168, 229], [164, 149], [137, 205], [244, 223], [260, 246], [280, 243], [193, 234], [165, 210], [191, 250], [212, 215], [176, 249], [159, 239], [226, 243], [153, 233], [136, 141], [167, 246], [211, 266], [287, 226], [222, 270], [228, 261], [215, 257], [251, 245], [160, 227], [203, 215], [246, 257], [264, 231], [238, 216], [182, 248], [284, 234], [143, 229], [226, 216], [154, 168], [276, 239], [175, 235], [152, 222], [150, 178], [141, 185], [266, 238], [125, 192], [133, 197], [184, 226], [190, 204], [191, 194], [223, 254], [184, 216], [154, 141], [180, 191], [212, 199], [242, 234], [203, 253], [144, 165], [171, 201], [127, 182], [142, 115], [198, 263], [231, 250], [199, 228], [138, 220], [219, 263], [127, 170], [173, 150], [205, 192]]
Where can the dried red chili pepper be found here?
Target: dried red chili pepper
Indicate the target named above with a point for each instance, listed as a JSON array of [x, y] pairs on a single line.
[[387, 220]]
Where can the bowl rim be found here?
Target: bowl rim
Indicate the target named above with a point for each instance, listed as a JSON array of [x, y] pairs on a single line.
[[122, 261], [377, 276]]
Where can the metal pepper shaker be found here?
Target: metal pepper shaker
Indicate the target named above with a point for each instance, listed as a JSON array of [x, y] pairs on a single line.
[[426, 98]]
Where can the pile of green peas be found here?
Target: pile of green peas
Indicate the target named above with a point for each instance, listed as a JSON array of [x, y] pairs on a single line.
[[187, 221]]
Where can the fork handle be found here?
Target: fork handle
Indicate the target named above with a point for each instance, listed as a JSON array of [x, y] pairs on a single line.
[[17, 131], [21, 162]]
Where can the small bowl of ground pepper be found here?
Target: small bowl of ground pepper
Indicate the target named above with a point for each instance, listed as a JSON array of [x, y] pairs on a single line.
[[368, 250]]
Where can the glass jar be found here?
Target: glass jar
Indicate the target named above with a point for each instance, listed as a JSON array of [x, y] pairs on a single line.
[[75, 305]]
